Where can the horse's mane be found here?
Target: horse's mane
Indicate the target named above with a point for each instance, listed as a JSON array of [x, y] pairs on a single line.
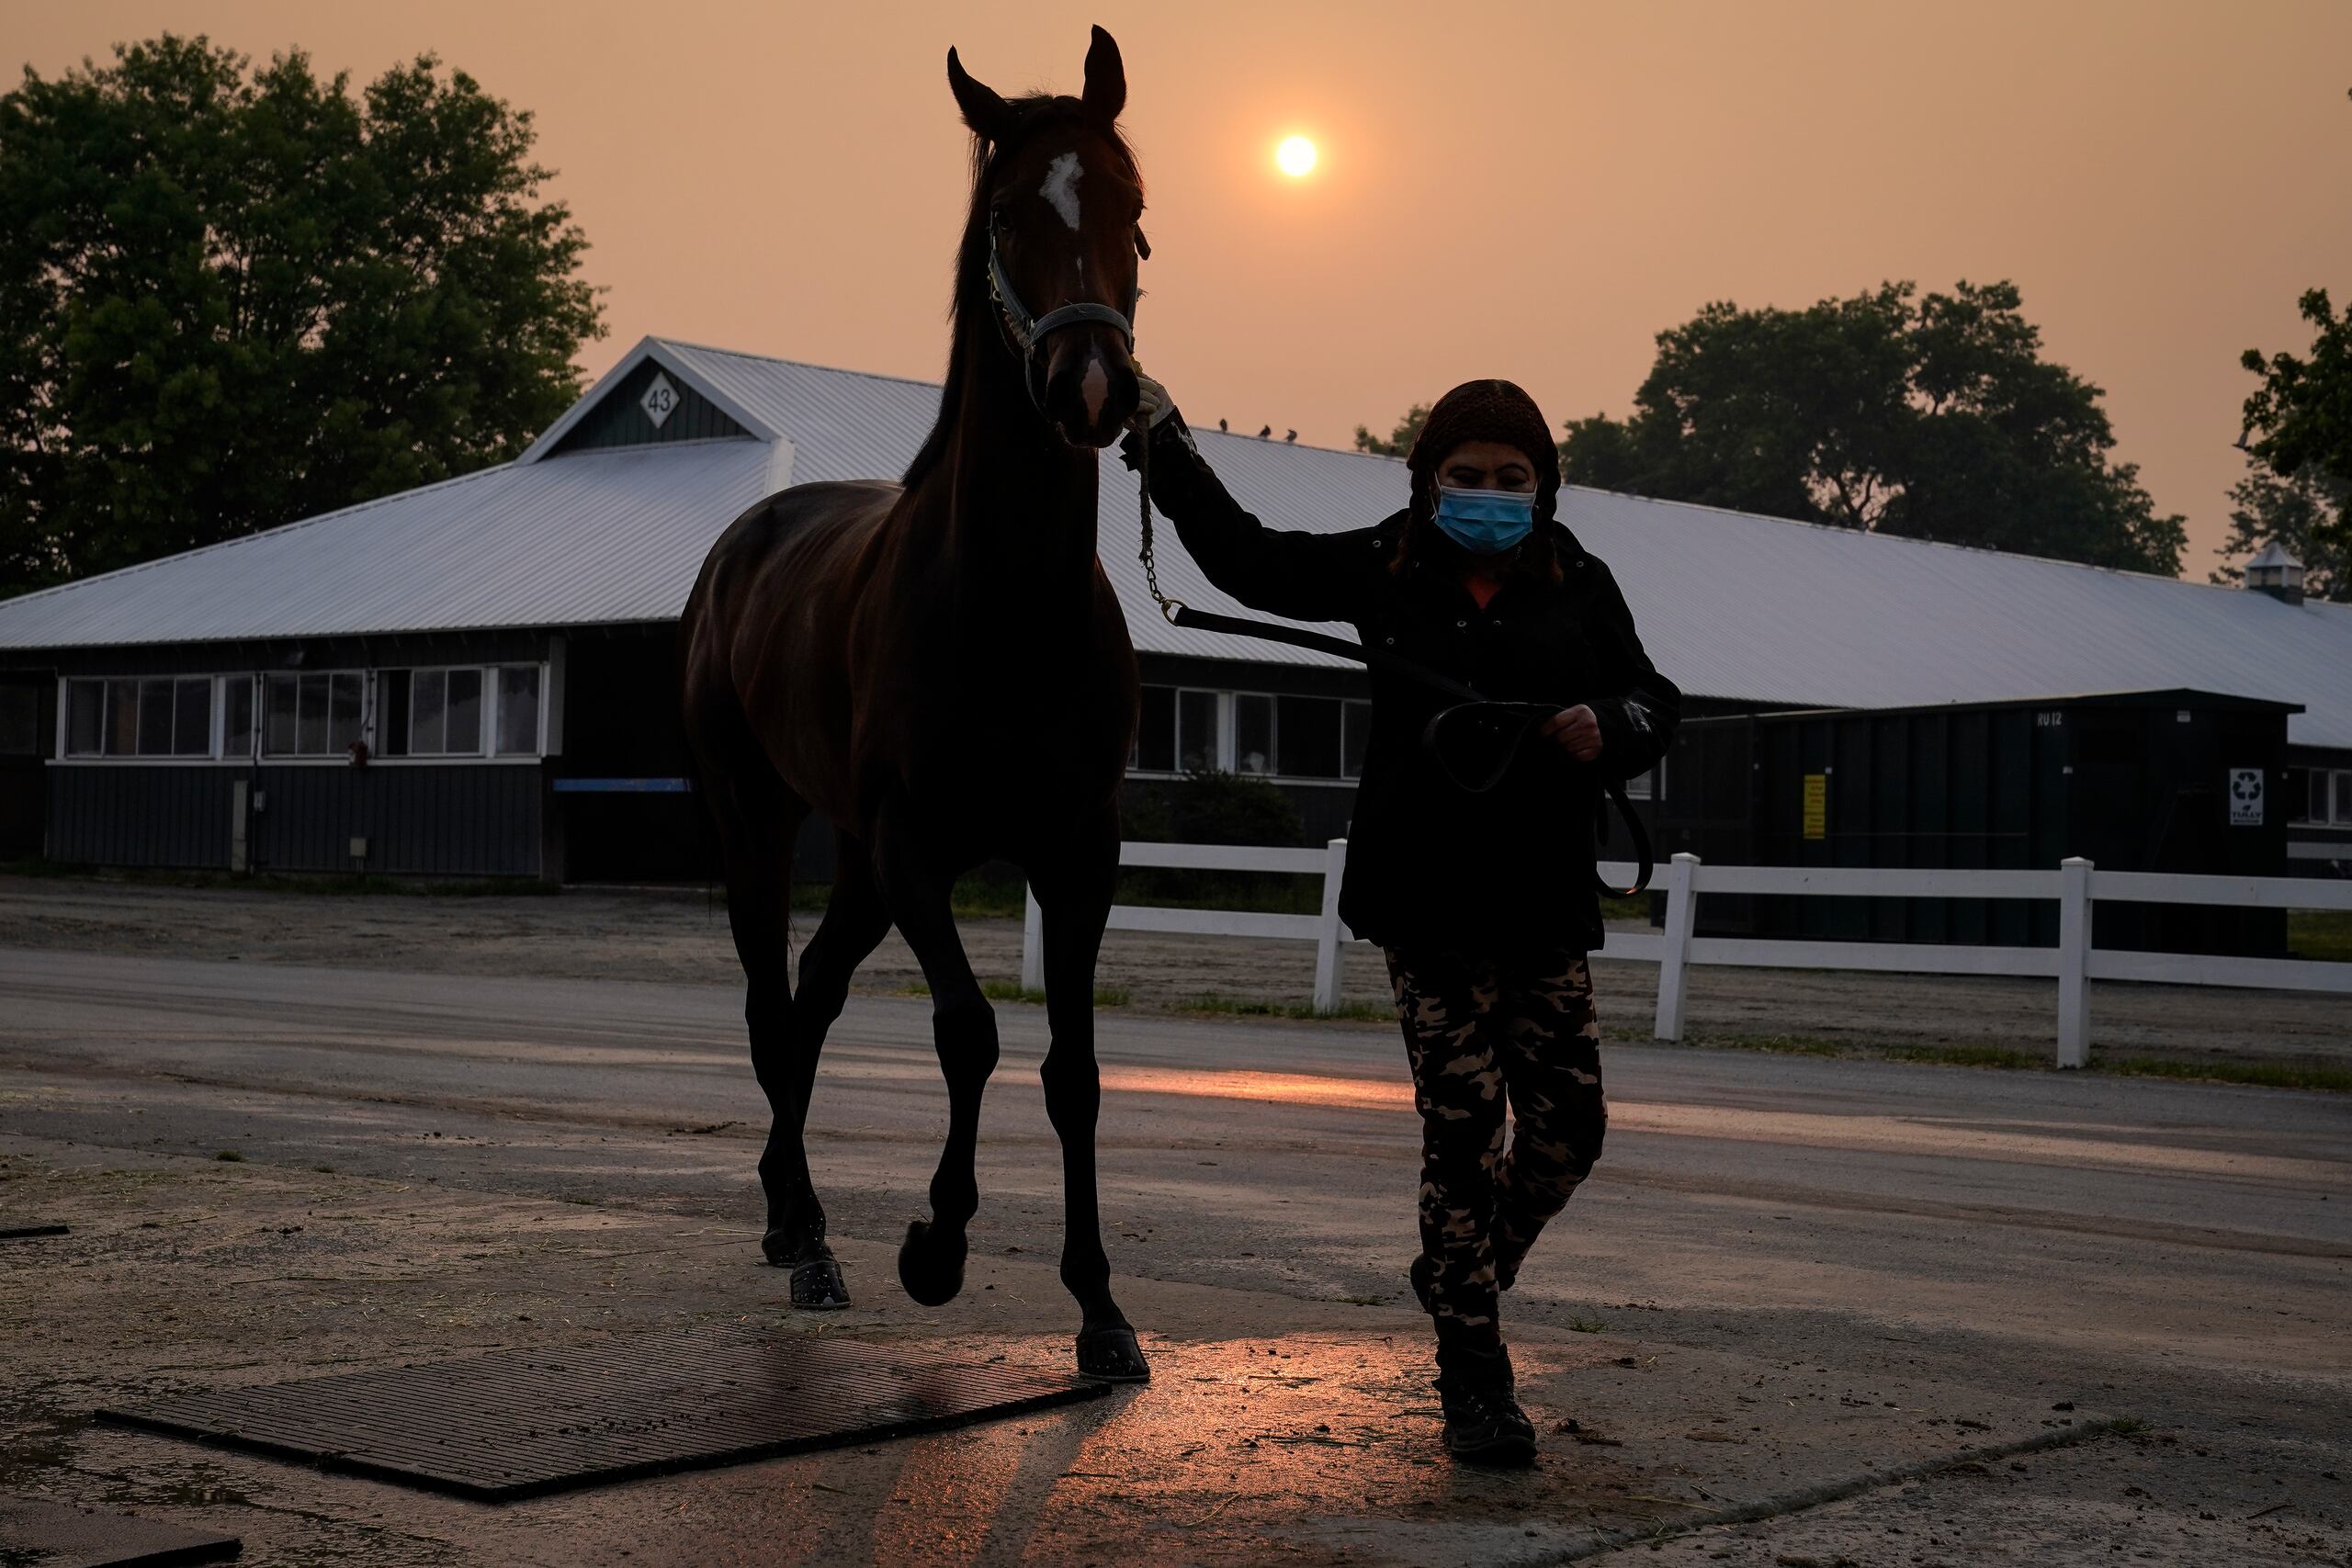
[[970, 307]]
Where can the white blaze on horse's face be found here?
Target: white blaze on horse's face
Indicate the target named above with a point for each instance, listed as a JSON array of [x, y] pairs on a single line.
[[1060, 191], [1060, 188], [1095, 387]]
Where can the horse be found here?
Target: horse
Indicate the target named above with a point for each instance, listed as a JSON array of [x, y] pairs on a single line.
[[939, 666]]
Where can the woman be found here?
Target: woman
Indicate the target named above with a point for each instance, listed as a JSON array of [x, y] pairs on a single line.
[[1484, 903]]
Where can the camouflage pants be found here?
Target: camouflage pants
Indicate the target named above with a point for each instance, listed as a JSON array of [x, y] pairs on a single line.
[[1483, 1033]]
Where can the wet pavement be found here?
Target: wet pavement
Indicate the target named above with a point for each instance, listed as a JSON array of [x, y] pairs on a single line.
[[1856, 1298]]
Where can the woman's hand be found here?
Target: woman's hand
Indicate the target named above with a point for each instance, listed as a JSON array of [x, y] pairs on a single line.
[[1152, 402], [1576, 730]]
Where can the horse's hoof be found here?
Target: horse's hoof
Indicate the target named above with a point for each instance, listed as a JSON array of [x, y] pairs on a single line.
[[1111, 1355], [931, 1264], [817, 1286]]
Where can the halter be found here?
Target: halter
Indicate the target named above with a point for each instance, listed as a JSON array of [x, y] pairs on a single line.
[[1025, 333]]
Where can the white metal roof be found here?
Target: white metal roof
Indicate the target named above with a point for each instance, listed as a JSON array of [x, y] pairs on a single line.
[[1730, 606]]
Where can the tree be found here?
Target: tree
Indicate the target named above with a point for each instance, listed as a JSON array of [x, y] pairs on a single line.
[[2299, 421], [2304, 513], [1933, 418], [229, 298], [1399, 441]]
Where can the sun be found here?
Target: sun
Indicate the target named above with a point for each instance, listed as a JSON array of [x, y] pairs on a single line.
[[1295, 156]]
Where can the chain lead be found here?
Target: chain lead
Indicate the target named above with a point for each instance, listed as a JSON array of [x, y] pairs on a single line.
[[1168, 607]]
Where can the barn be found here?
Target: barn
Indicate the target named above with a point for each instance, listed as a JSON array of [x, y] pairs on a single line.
[[474, 678]]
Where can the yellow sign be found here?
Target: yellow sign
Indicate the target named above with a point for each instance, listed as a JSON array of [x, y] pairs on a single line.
[[1816, 806]]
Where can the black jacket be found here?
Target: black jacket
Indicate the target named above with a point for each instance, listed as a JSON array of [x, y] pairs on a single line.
[[1429, 863]]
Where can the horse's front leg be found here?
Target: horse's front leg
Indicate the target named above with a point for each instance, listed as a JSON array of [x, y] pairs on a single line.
[[1074, 885], [930, 1260]]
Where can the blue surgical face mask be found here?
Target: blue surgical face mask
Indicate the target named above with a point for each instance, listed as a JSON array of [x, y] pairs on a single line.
[[1486, 522]]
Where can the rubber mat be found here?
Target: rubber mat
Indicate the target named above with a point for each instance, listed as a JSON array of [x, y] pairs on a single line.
[[56, 1535], [521, 1423], [24, 1233]]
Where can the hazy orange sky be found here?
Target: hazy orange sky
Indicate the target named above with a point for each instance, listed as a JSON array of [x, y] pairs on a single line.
[[1525, 190]]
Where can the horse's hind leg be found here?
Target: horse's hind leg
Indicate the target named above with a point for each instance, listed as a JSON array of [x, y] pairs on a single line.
[[1074, 890], [854, 924], [758, 818], [931, 1261]]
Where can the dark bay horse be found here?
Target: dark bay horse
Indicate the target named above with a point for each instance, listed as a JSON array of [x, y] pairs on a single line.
[[940, 668]]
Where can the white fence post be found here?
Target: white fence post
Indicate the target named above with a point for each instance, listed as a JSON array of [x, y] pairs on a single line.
[[1032, 941], [1674, 947], [2073, 962], [1326, 939]]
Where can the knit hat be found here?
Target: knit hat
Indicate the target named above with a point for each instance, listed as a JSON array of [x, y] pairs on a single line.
[[1484, 410]]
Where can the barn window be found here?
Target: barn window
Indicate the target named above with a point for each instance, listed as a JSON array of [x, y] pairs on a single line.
[[443, 710], [122, 718], [161, 716], [311, 715], [1253, 733], [467, 710], [1198, 746], [1257, 733], [86, 710], [518, 710], [237, 727]]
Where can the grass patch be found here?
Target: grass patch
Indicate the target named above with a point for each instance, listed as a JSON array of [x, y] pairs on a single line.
[[231, 1156], [1008, 991], [1780, 1044], [989, 893], [1968, 1055], [1582, 1324], [1938, 1055], [2267, 1075], [1634, 908], [2322, 1076], [2322, 934], [1258, 1007]]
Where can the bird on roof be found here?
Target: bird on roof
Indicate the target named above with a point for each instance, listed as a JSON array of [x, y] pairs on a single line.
[[1222, 425], [1290, 436], [1265, 432]]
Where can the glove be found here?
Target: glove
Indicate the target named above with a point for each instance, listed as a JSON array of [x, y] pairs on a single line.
[[1153, 405]]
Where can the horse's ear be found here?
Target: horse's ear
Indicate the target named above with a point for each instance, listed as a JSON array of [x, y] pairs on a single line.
[[984, 110], [1106, 78]]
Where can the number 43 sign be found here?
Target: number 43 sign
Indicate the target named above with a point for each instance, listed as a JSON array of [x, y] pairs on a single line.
[[2245, 797], [660, 400]]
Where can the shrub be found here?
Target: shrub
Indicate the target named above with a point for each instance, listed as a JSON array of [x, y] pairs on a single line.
[[1213, 807]]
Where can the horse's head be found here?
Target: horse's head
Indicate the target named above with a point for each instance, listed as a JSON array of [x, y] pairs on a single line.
[[1052, 245]]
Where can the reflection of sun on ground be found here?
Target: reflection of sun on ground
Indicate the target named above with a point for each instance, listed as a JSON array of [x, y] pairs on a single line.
[[1295, 156]]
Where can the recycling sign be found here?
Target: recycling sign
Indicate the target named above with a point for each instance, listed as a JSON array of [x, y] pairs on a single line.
[[2245, 797]]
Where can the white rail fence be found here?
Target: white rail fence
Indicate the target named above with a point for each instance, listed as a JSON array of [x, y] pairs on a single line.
[[2076, 884]]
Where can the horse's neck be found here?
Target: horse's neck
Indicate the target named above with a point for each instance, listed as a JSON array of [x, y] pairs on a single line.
[[1013, 511]]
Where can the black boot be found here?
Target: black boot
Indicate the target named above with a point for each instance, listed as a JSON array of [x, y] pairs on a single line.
[[1483, 1423]]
